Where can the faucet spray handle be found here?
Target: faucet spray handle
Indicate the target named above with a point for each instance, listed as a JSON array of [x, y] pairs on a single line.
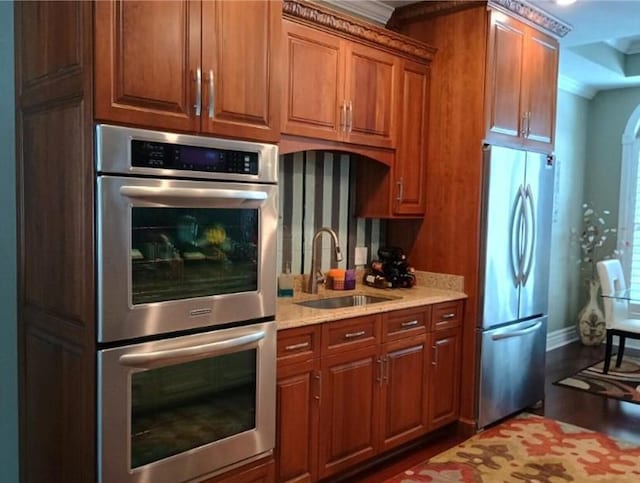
[[338, 254]]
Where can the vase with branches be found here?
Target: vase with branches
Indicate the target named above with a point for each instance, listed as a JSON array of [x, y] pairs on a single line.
[[593, 241]]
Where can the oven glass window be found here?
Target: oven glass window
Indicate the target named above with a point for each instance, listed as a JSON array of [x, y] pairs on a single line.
[[180, 253], [181, 407]]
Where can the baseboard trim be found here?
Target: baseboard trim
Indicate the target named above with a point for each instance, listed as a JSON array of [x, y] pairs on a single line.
[[561, 337]]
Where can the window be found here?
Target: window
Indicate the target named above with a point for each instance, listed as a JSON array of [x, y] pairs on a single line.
[[629, 207]]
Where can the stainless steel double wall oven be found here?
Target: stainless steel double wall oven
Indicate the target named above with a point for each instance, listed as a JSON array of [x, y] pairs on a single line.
[[186, 247]]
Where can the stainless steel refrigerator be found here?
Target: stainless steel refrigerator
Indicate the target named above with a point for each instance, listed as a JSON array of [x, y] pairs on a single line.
[[516, 222]]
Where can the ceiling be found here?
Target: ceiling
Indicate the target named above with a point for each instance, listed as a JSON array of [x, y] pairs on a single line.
[[601, 52]]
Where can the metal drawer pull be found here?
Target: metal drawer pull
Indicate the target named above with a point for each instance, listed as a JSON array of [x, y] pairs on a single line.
[[448, 316], [411, 323], [296, 346], [198, 78], [351, 335], [211, 94]]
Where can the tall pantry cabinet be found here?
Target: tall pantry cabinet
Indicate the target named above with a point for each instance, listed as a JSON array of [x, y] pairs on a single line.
[[78, 63], [493, 81]]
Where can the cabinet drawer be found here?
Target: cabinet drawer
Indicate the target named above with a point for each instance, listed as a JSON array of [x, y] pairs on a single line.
[[350, 334], [446, 315], [298, 345], [405, 323]]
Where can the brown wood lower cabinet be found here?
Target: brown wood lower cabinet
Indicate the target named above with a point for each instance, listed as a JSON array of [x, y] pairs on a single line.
[[405, 384], [262, 471], [349, 406], [351, 389]]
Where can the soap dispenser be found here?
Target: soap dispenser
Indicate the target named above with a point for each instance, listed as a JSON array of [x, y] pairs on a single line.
[[285, 283]]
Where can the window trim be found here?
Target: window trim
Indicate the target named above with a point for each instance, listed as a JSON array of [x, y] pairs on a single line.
[[628, 194]]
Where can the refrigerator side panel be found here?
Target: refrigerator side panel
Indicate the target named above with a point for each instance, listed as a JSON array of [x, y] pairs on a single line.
[[534, 293], [503, 176], [512, 369]]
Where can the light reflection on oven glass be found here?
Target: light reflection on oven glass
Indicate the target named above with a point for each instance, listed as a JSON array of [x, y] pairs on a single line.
[[181, 407], [180, 253]]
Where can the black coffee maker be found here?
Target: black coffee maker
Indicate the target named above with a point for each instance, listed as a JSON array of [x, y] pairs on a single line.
[[391, 270]]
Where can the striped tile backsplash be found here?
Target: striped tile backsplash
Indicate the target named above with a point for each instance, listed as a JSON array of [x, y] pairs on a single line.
[[316, 190]]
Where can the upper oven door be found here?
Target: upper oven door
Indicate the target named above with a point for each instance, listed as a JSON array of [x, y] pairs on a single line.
[[176, 254]]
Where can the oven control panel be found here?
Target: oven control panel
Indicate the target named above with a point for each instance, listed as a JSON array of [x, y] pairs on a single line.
[[153, 154]]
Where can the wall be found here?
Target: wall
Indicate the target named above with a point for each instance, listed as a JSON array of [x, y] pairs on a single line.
[[8, 319], [317, 189], [565, 289], [609, 112]]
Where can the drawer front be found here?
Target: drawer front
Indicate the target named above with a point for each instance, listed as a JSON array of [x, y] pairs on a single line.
[[405, 323], [447, 315], [298, 345], [350, 334]]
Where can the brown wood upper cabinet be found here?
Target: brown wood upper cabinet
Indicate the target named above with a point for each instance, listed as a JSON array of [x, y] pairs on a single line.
[[522, 72], [338, 90], [207, 66]]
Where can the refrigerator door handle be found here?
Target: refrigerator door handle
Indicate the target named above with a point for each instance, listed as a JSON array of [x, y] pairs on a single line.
[[515, 237], [518, 333], [530, 233]]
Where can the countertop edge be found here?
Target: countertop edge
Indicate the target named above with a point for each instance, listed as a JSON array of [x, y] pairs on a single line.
[[290, 315]]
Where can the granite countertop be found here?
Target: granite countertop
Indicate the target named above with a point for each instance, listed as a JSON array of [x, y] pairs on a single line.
[[431, 288]]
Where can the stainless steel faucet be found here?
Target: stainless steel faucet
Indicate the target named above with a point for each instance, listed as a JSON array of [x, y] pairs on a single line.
[[316, 275]]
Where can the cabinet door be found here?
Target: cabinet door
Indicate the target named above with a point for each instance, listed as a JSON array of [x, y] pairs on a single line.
[[505, 54], [444, 392], [371, 94], [404, 391], [410, 163], [146, 58], [260, 472], [298, 397], [349, 409], [240, 51], [314, 86], [540, 90]]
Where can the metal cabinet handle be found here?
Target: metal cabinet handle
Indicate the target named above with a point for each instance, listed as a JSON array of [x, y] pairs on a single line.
[[410, 323], [343, 117], [379, 376], [198, 79], [528, 123], [435, 355], [523, 128], [351, 335], [296, 346], [448, 316], [400, 184], [385, 377], [211, 94], [318, 377], [350, 116]]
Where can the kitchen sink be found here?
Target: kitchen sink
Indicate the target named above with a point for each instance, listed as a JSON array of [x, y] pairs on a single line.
[[346, 301]]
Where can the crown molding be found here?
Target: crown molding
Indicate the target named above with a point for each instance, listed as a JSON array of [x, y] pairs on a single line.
[[521, 9], [573, 86], [373, 10], [533, 15], [322, 17]]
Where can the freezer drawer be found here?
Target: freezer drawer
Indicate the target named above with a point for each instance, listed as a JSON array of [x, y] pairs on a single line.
[[512, 369]]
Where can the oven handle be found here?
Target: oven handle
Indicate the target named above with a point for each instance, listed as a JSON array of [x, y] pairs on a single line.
[[148, 359], [198, 193]]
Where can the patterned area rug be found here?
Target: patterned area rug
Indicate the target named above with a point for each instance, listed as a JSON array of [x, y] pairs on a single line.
[[620, 382], [532, 449]]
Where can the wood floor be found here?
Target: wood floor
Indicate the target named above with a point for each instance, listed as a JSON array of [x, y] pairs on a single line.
[[616, 418]]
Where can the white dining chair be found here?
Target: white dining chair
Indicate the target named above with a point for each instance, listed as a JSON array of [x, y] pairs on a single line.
[[616, 310]]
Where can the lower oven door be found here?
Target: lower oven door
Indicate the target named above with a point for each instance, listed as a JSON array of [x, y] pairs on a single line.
[[179, 409], [176, 254]]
